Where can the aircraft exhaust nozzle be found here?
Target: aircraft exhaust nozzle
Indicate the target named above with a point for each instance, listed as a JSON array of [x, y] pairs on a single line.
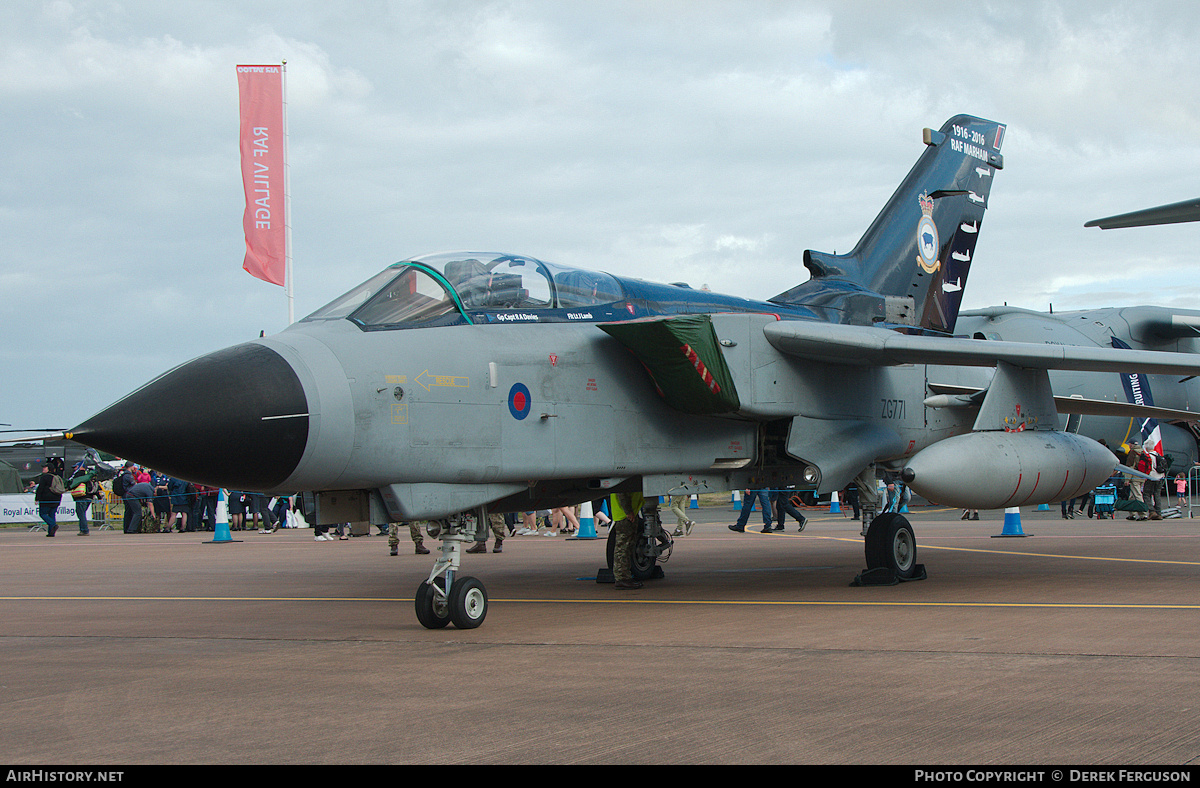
[[235, 418], [996, 470]]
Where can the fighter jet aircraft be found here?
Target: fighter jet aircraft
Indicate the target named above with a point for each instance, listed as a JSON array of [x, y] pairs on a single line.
[[476, 382]]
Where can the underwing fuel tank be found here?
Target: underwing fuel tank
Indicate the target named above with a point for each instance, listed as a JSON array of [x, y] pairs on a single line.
[[995, 470]]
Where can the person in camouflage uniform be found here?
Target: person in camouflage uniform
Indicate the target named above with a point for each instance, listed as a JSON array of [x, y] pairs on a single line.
[[414, 530], [625, 525], [496, 523]]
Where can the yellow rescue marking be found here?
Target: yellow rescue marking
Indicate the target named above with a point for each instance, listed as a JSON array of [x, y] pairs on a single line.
[[428, 381]]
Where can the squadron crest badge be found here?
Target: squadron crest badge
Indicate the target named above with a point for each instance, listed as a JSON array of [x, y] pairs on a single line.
[[927, 236]]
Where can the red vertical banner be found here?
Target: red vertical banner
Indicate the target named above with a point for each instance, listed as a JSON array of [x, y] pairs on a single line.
[[261, 139]]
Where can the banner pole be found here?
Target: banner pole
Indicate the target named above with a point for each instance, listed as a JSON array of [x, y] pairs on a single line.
[[287, 210]]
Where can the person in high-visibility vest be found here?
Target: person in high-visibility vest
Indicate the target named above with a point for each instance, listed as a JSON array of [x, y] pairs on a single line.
[[625, 508]]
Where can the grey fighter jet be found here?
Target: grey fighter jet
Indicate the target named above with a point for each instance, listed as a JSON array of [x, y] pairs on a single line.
[[481, 382]]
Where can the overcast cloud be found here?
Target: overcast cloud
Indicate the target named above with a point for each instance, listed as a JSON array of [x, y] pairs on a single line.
[[709, 142]]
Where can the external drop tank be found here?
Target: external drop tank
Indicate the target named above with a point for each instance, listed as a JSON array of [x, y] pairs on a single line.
[[995, 470]]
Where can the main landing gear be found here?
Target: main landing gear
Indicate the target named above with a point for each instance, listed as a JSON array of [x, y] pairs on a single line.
[[653, 545], [891, 552], [446, 597]]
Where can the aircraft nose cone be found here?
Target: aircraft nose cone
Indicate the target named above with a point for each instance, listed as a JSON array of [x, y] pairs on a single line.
[[236, 418]]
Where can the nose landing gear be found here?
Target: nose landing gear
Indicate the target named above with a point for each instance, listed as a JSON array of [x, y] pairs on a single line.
[[445, 597]]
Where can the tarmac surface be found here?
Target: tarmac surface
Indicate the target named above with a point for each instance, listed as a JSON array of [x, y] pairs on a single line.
[[1079, 644]]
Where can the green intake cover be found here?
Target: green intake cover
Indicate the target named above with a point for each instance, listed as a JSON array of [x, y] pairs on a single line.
[[683, 356]]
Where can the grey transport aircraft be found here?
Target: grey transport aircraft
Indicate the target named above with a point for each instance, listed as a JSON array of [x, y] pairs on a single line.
[[455, 385], [1163, 423]]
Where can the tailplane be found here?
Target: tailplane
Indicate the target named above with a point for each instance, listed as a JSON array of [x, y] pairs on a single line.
[[911, 265]]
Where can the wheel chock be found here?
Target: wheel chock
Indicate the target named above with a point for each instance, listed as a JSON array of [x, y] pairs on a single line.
[[883, 576], [880, 576]]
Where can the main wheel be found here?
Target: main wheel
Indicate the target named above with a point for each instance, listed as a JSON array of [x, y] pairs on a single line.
[[432, 609], [643, 560], [890, 543], [468, 602]]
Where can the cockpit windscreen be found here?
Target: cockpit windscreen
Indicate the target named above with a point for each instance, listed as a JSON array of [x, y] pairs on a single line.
[[412, 298], [445, 288]]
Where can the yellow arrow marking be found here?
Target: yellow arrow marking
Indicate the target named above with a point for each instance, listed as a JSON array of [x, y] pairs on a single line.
[[428, 381]]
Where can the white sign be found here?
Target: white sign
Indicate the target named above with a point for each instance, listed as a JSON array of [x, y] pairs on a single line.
[[21, 508]]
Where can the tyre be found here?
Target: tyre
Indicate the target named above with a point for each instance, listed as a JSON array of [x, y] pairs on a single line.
[[432, 611], [468, 602], [891, 543], [643, 561]]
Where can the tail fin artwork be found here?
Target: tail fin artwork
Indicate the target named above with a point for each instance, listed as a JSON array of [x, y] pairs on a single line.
[[911, 265]]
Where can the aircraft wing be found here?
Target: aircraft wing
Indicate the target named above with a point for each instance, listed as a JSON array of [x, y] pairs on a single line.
[[867, 346], [1082, 406], [1176, 212]]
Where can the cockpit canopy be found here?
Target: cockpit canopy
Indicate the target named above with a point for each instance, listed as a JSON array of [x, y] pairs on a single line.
[[448, 288]]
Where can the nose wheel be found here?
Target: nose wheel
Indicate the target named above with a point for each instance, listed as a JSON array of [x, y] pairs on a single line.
[[433, 608], [468, 603], [447, 597]]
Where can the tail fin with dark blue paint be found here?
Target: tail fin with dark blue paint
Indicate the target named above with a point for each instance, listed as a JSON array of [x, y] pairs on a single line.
[[911, 265]]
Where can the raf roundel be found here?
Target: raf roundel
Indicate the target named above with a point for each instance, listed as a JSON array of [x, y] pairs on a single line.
[[519, 401]]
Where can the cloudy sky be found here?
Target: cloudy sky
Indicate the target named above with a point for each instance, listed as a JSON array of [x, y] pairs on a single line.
[[709, 142]]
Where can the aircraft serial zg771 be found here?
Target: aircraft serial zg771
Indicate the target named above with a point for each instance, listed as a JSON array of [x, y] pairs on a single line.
[[469, 382]]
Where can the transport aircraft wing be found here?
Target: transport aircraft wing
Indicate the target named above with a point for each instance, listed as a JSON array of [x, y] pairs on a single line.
[[1174, 213], [949, 395]]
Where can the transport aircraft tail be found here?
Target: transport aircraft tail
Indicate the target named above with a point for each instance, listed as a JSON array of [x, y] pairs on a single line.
[[911, 265]]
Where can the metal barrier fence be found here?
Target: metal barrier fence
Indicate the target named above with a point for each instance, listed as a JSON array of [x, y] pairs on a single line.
[[1193, 490], [107, 512]]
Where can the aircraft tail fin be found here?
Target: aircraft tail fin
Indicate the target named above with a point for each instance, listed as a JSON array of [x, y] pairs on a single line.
[[912, 263]]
